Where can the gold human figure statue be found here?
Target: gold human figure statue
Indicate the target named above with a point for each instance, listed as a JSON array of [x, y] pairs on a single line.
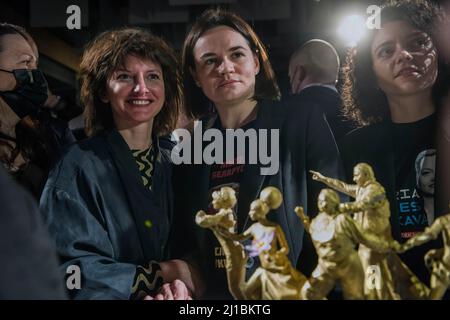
[[335, 236], [222, 225], [436, 260], [276, 278], [371, 213]]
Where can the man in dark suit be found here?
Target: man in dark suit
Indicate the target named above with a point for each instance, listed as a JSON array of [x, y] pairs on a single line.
[[29, 267], [313, 74]]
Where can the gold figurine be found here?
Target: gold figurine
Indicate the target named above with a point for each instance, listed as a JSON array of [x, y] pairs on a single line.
[[335, 232], [223, 224], [436, 260], [371, 213], [335, 236], [276, 278]]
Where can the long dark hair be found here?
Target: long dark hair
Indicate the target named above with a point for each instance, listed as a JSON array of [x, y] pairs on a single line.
[[363, 101], [266, 86]]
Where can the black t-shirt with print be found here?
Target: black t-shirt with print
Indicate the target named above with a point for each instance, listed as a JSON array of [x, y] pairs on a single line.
[[228, 174], [415, 157]]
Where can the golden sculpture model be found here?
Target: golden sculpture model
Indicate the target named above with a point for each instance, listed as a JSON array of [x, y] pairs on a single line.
[[223, 224], [371, 213], [335, 233], [335, 236], [276, 278], [436, 260]]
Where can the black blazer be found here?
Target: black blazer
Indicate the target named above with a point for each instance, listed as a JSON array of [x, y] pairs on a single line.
[[306, 143], [329, 102]]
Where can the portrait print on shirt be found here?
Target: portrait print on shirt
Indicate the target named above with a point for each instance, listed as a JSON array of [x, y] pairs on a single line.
[[416, 196]]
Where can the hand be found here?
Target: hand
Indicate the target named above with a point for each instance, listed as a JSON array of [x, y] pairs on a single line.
[[176, 290], [433, 254], [176, 269], [52, 100], [300, 212], [200, 218], [317, 176]]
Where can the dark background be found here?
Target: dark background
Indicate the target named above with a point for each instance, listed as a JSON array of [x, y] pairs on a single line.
[[283, 25]]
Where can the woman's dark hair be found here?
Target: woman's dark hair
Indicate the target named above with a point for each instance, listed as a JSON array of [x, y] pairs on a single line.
[[106, 53], [266, 86], [363, 101], [34, 141]]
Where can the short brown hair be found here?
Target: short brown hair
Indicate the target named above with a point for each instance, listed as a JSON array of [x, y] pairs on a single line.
[[266, 86], [106, 53]]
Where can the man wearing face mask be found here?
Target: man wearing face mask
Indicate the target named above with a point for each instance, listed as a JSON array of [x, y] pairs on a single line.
[[29, 136]]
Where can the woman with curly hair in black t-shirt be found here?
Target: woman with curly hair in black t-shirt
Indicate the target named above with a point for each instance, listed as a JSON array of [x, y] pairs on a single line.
[[393, 85]]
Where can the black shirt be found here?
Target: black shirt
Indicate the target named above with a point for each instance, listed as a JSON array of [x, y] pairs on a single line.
[[415, 157]]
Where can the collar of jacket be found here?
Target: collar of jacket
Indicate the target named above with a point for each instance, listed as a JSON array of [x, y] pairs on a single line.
[[145, 204]]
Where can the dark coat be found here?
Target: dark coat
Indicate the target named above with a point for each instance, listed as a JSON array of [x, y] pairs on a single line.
[[329, 102], [102, 217], [306, 143], [29, 265]]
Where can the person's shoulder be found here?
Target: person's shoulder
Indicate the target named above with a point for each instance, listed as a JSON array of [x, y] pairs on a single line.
[[83, 149], [363, 134], [293, 101], [318, 91], [366, 130], [297, 109], [311, 103], [80, 156]]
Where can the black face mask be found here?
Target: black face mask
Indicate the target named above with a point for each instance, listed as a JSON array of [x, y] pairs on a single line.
[[30, 93]]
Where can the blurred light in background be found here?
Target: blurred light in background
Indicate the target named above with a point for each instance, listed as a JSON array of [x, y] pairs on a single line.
[[351, 29]]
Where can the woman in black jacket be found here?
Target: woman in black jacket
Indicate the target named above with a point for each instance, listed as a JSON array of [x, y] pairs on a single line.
[[230, 84]]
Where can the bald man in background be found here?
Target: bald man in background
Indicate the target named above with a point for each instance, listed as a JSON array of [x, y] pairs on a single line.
[[313, 74]]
